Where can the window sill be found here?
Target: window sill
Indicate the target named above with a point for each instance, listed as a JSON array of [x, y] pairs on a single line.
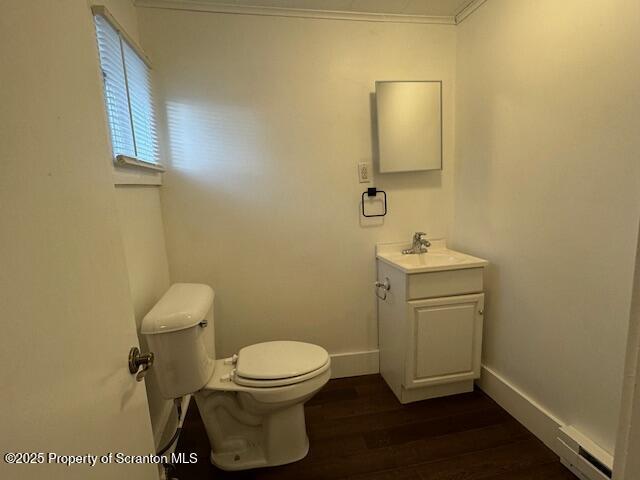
[[125, 161], [130, 171]]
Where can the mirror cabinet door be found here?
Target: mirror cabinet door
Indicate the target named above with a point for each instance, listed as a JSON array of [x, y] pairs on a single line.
[[409, 117]]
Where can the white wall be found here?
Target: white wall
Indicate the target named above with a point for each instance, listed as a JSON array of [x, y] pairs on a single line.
[[267, 118], [142, 232], [548, 189]]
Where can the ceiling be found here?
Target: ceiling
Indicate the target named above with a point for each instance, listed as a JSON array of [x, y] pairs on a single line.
[[438, 8], [421, 11]]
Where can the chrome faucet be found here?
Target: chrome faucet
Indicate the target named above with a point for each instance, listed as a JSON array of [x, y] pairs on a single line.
[[419, 245]]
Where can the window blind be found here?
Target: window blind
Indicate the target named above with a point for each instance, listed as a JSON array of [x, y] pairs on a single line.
[[128, 95]]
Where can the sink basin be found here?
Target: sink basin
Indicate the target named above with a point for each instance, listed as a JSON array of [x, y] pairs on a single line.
[[430, 259], [438, 258]]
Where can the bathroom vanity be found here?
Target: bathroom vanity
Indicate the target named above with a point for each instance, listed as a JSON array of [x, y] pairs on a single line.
[[430, 316]]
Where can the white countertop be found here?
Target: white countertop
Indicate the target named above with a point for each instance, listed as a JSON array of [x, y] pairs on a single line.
[[438, 258]]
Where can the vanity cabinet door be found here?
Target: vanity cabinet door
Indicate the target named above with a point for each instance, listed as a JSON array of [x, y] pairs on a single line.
[[444, 340]]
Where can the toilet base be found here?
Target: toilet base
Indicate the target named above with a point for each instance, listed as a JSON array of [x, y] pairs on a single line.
[[251, 427], [252, 457], [245, 434]]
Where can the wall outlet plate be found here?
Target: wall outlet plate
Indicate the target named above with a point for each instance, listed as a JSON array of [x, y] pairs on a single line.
[[365, 171]]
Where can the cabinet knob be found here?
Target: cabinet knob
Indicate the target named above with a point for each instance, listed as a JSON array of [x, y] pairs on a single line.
[[385, 286], [481, 311]]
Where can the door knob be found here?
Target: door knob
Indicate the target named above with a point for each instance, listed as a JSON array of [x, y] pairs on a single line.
[[137, 360]]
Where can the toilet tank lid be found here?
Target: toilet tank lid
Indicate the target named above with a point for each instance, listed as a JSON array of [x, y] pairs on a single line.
[[182, 306]]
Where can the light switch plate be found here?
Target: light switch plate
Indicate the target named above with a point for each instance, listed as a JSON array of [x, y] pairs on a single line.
[[364, 172]]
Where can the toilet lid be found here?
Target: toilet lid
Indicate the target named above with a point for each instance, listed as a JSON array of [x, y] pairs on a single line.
[[281, 382], [278, 360]]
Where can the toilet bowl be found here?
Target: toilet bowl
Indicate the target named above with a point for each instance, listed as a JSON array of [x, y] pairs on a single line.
[[251, 403], [254, 426]]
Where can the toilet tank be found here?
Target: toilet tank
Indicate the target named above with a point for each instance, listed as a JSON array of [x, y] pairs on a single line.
[[179, 331]]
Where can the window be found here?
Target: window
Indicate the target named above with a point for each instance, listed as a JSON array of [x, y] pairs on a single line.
[[128, 95]]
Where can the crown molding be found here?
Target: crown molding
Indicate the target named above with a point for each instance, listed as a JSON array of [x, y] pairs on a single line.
[[468, 10], [199, 6], [203, 6]]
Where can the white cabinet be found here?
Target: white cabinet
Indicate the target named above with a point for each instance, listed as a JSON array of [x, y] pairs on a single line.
[[430, 331]]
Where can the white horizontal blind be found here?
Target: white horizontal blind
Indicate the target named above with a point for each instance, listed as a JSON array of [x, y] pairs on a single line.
[[115, 88], [128, 96], [141, 104]]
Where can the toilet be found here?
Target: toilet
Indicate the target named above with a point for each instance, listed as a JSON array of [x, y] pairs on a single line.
[[251, 403]]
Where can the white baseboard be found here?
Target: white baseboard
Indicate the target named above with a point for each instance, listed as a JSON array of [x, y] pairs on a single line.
[[524, 409], [352, 364]]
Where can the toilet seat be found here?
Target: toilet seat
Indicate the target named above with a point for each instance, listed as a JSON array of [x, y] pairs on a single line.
[[278, 363], [279, 382], [223, 380]]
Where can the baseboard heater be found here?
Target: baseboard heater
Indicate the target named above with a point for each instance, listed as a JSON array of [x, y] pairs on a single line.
[[582, 456]]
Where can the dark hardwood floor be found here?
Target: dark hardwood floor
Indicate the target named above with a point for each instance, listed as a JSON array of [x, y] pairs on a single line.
[[358, 430]]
